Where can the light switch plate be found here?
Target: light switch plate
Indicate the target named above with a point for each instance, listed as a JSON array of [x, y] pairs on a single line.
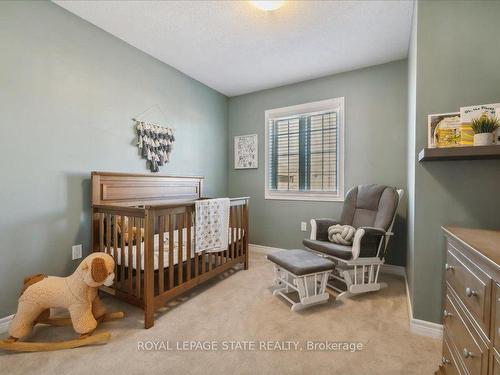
[[303, 226], [76, 252]]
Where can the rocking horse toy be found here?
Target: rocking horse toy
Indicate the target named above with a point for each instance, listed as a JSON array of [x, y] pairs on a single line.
[[77, 293]]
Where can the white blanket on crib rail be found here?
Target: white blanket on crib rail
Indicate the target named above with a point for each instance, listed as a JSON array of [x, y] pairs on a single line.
[[212, 224]]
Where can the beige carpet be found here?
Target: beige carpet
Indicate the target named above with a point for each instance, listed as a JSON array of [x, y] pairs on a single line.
[[241, 307]]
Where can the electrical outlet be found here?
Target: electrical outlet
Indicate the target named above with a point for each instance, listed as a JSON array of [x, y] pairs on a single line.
[[76, 252], [303, 226]]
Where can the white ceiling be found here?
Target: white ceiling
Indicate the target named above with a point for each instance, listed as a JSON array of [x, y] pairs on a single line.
[[235, 48]]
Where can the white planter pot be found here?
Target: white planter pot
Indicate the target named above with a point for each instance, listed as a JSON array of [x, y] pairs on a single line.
[[483, 139]]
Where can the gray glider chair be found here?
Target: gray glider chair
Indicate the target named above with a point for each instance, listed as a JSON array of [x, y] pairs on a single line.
[[371, 210]]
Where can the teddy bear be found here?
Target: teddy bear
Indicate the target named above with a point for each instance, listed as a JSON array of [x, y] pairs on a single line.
[[77, 293], [123, 229]]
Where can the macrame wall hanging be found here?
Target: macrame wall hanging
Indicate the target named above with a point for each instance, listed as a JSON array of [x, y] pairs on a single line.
[[155, 143]]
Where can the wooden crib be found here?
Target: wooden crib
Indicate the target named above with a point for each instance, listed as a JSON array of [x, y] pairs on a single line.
[[132, 213]]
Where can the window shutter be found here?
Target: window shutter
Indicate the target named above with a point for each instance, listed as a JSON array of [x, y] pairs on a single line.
[[303, 152]]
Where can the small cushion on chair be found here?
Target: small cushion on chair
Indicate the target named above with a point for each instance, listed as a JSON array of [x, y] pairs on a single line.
[[329, 248], [300, 262], [341, 234]]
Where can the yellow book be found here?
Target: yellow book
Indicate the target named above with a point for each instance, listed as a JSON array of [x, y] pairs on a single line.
[[466, 135]]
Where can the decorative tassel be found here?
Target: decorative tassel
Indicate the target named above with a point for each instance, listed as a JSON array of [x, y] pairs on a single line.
[[155, 143]]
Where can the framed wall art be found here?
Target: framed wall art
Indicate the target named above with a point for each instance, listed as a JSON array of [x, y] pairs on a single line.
[[246, 151]]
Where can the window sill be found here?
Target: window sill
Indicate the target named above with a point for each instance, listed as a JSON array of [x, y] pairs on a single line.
[[304, 197]]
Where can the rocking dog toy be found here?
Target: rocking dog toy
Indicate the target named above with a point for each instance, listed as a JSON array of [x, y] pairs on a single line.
[[77, 293]]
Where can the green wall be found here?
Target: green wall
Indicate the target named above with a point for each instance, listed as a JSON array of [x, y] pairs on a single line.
[[457, 64], [68, 91], [375, 148]]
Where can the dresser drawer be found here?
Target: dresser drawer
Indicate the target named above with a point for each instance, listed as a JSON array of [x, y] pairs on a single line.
[[471, 350], [451, 364], [471, 284], [495, 364], [496, 321]]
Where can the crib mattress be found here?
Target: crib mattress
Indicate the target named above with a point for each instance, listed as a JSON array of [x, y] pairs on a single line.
[[124, 254]]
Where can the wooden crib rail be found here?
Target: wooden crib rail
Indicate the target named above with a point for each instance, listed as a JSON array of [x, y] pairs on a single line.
[[190, 203]]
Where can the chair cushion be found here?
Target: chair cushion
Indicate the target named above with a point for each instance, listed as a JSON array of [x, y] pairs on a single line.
[[329, 248], [300, 262], [370, 206]]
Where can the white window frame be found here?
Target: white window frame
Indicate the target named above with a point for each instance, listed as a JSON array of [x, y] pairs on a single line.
[[335, 104]]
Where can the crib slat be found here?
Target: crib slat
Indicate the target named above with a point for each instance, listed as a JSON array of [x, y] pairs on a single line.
[[189, 222], [122, 256], [180, 228], [196, 260], [243, 230], [171, 251], [204, 262], [130, 248], [101, 232], [233, 239], [242, 226], [225, 252], [238, 231], [115, 249], [108, 233], [138, 257], [161, 235], [245, 234]]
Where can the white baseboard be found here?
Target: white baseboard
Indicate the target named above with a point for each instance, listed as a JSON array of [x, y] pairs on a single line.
[[4, 323], [425, 328], [417, 326], [262, 249]]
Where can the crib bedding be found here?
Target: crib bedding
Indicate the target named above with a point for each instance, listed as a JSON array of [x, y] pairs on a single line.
[[124, 254]]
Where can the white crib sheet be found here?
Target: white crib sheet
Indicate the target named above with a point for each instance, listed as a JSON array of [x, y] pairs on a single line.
[[165, 252]]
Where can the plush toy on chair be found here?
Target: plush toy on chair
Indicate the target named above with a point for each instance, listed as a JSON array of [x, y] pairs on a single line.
[[77, 293]]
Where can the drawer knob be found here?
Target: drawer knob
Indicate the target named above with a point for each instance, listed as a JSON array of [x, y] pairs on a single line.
[[469, 292], [468, 354], [447, 267], [447, 314], [445, 361]]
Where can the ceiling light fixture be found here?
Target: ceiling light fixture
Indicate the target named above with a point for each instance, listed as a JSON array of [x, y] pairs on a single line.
[[268, 5]]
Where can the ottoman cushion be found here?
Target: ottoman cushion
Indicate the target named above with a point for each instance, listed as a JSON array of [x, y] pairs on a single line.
[[300, 262]]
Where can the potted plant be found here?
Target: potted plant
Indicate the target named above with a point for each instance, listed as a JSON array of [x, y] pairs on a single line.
[[483, 128]]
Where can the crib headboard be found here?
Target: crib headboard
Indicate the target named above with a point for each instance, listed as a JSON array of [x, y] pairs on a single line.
[[142, 189]]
